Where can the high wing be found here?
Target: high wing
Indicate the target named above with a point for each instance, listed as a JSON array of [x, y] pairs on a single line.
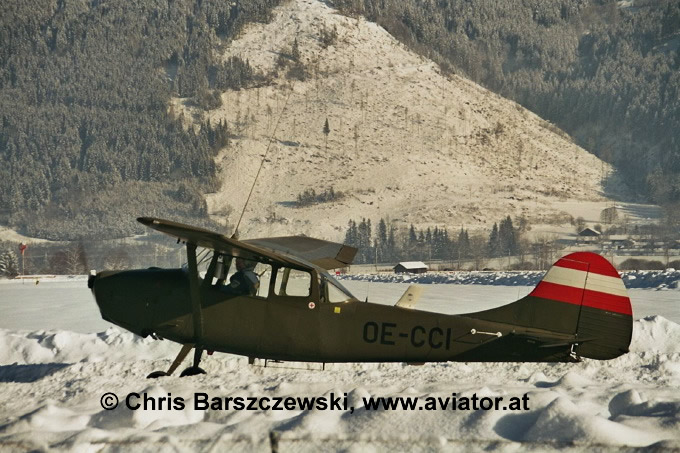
[[325, 254], [292, 251]]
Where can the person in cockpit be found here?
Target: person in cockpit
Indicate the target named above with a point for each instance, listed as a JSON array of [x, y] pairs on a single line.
[[245, 281]]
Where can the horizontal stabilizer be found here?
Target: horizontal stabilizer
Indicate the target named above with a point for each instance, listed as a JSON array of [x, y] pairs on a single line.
[[410, 297]]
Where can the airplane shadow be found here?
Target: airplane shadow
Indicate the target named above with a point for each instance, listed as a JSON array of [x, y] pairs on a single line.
[[29, 373]]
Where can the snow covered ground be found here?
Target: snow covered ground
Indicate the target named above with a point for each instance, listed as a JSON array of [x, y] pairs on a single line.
[[58, 358]]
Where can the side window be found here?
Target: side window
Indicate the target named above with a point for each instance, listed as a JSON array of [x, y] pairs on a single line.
[[292, 282], [264, 271]]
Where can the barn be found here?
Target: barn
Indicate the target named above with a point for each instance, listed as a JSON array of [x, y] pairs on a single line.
[[588, 235], [410, 267]]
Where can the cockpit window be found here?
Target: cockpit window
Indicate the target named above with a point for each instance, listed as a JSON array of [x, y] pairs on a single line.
[[264, 271], [203, 258], [237, 276], [292, 282]]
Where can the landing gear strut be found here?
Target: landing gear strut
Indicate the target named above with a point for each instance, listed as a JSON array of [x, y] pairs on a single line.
[[176, 363], [195, 369], [197, 317]]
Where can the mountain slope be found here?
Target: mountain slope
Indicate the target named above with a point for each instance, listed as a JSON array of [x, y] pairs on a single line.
[[406, 141]]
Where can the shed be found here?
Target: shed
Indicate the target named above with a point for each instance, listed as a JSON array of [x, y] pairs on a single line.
[[410, 267], [589, 232]]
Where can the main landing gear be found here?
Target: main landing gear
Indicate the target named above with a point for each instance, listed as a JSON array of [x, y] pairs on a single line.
[[195, 369], [183, 353]]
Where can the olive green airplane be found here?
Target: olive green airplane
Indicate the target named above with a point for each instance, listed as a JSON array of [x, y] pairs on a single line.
[[282, 304]]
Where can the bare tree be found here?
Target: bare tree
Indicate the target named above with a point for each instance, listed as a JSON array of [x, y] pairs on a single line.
[[73, 261], [579, 224], [118, 259], [609, 215], [478, 251]]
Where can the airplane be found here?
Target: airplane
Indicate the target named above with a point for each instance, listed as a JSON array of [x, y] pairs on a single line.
[[300, 312]]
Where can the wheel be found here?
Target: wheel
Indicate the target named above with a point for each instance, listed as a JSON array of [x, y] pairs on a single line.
[[157, 374], [192, 371]]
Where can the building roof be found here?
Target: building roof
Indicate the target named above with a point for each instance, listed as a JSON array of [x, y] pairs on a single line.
[[412, 265], [589, 232]]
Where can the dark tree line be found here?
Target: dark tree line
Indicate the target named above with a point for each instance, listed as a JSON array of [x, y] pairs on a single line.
[[390, 244], [310, 196], [609, 76], [87, 142], [503, 240]]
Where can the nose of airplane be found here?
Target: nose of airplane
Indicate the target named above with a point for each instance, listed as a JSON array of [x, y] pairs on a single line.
[[142, 299], [123, 299]]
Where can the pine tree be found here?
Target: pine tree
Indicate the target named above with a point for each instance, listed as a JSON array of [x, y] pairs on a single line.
[[392, 244], [493, 247], [9, 266], [463, 244], [507, 237], [351, 236], [381, 242], [326, 131], [364, 241], [295, 51]]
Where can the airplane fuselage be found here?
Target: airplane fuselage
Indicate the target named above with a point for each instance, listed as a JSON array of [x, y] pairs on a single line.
[[305, 329]]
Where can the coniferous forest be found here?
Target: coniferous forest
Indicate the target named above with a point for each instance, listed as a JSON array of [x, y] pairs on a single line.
[[607, 74], [87, 142]]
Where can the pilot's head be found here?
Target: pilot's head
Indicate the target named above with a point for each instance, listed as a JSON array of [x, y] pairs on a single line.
[[243, 264]]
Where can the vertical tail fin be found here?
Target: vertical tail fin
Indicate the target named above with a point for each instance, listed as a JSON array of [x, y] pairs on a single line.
[[582, 295], [605, 321]]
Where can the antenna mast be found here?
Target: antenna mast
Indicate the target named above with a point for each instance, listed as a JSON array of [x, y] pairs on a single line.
[[269, 144]]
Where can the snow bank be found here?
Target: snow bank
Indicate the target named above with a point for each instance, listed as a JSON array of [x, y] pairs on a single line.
[[655, 334], [70, 347], [51, 394], [509, 278], [667, 279]]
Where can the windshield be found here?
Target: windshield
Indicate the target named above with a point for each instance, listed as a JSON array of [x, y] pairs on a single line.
[[337, 292], [203, 257]]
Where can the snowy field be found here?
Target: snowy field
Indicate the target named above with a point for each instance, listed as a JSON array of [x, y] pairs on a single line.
[[57, 359]]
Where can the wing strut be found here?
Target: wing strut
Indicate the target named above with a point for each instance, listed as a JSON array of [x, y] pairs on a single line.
[[196, 311], [195, 294]]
